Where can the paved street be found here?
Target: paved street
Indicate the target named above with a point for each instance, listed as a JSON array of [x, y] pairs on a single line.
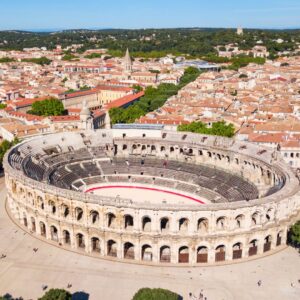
[[23, 272]]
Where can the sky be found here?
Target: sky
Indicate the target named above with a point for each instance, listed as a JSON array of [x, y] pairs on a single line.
[[97, 14]]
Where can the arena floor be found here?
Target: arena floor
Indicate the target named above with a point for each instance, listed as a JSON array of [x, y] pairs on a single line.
[[23, 272], [147, 194]]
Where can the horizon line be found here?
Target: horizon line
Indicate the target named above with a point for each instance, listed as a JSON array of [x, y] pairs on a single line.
[[50, 30]]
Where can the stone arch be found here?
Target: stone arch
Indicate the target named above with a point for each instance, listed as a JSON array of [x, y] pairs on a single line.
[[52, 207], [112, 248], [25, 221], [270, 215], [183, 224], [80, 241], [267, 243], [147, 254], [183, 254], [164, 224], [253, 247], [65, 210], [255, 218], [54, 233], [128, 250], [202, 225], [239, 221], [111, 220], [43, 229], [78, 213], [165, 254], [221, 223], [94, 216], [146, 224], [237, 250], [202, 254], [66, 237], [95, 245], [279, 238], [220, 253], [33, 225], [128, 222]]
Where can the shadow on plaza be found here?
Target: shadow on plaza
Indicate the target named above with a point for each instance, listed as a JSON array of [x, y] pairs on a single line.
[[80, 296]]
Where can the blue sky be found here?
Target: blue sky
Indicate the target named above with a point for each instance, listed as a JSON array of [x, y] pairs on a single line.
[[66, 14]]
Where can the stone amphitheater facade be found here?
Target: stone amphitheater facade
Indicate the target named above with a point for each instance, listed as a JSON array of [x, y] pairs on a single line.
[[224, 229]]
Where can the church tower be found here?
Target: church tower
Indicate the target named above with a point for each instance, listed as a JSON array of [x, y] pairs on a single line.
[[127, 62]]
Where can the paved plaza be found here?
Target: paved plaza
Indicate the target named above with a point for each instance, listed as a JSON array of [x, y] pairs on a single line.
[[23, 272]]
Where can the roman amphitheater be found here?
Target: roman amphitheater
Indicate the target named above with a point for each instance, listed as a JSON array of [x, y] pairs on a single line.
[[147, 195]]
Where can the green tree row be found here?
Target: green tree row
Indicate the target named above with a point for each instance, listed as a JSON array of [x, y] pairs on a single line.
[[152, 100], [217, 128], [48, 107], [40, 61]]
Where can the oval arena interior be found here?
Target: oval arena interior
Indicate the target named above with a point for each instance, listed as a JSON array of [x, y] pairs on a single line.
[[145, 194]]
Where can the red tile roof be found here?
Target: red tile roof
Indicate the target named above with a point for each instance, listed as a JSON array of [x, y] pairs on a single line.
[[124, 100]]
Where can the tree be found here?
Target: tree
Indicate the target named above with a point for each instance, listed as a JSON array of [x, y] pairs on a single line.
[[153, 99], [294, 234], [218, 128], [155, 294], [57, 294], [40, 61], [48, 107]]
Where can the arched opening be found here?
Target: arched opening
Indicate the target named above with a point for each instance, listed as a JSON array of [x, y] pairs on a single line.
[[164, 225], [163, 149], [253, 248], [255, 219], [203, 225], [112, 248], [128, 251], [94, 215], [239, 221], [172, 149], [33, 226], [52, 207], [269, 215], [279, 238], [183, 225], [25, 220], [165, 254], [202, 254], [43, 229], [221, 222], [146, 224], [153, 149], [237, 251], [147, 253], [80, 241], [267, 244], [66, 237], [220, 253], [54, 233], [66, 211], [78, 213], [183, 254], [111, 220], [128, 222], [124, 147], [95, 243]]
